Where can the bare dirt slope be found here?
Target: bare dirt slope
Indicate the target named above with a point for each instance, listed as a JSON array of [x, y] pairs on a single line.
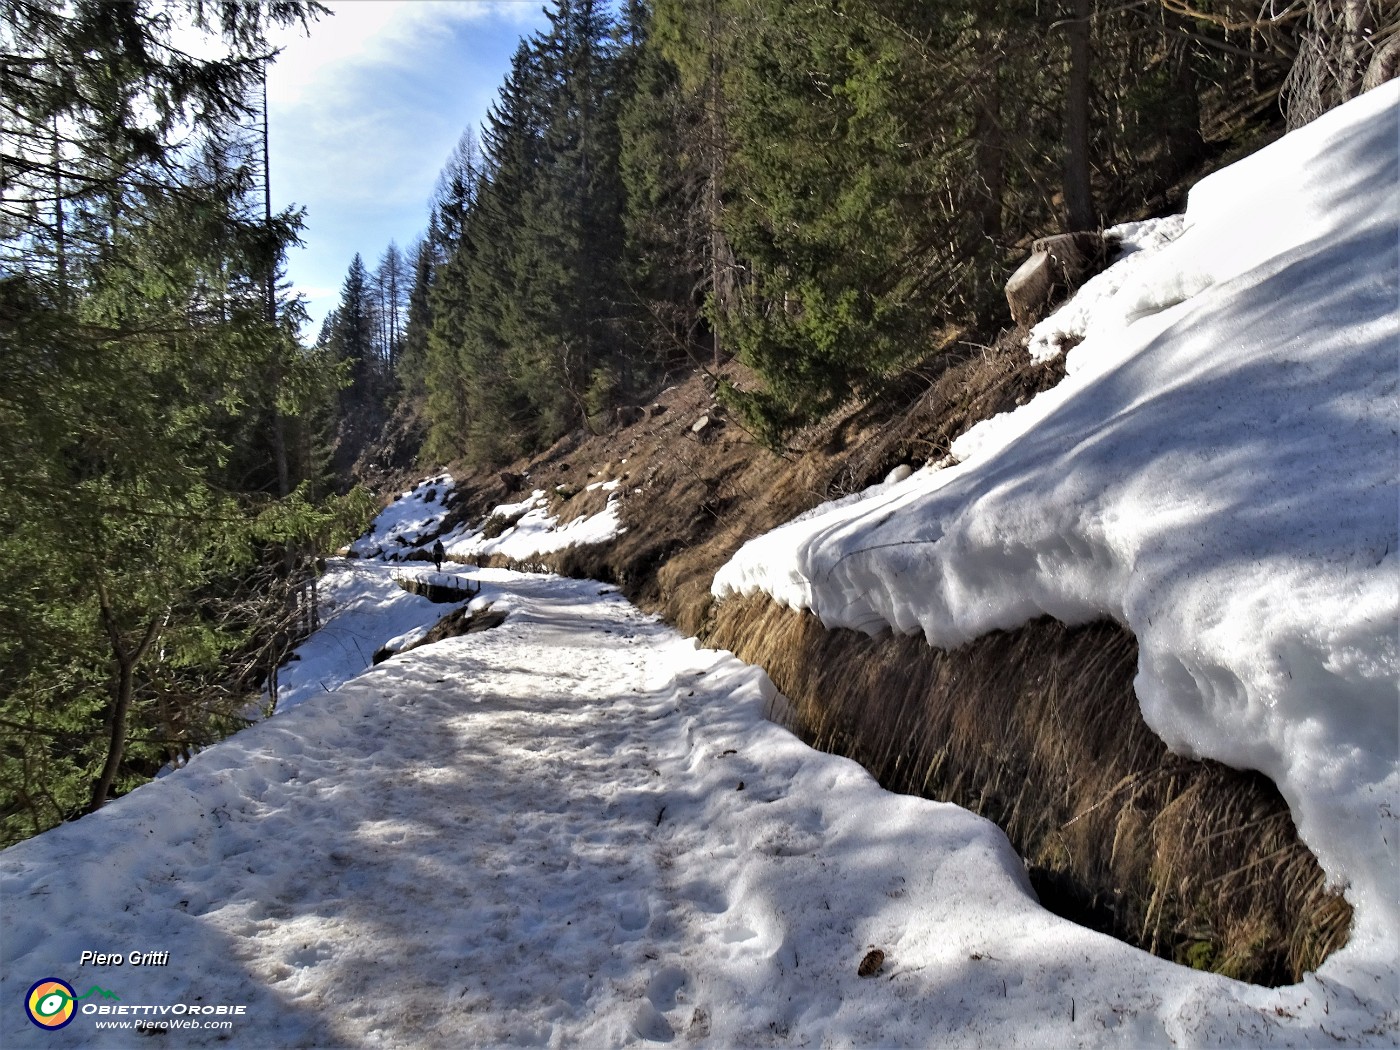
[[696, 484]]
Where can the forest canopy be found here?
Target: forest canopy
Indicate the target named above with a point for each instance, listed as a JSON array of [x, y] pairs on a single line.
[[829, 190]]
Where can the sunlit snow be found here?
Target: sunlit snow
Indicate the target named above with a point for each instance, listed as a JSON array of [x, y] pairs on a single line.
[[1219, 473], [577, 829], [533, 530], [525, 529]]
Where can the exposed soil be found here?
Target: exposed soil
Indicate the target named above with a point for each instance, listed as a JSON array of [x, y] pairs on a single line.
[[453, 625], [689, 500]]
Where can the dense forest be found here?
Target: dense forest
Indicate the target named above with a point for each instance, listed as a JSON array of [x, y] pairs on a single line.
[[164, 483], [830, 192]]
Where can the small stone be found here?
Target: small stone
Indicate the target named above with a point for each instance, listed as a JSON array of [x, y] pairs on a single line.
[[871, 964]]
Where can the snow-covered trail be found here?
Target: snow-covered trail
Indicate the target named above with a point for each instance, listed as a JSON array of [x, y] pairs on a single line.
[[578, 830]]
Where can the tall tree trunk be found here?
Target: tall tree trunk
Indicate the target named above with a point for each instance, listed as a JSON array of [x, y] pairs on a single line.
[[279, 427], [713, 200], [1079, 201], [270, 282], [991, 147], [60, 246], [279, 434]]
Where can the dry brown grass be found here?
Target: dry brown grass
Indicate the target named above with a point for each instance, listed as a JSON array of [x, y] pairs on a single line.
[[1039, 730], [689, 504]]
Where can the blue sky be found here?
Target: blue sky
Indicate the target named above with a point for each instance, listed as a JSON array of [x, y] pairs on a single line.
[[364, 111]]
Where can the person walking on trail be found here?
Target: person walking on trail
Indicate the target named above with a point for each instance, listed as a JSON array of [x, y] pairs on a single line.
[[438, 555]]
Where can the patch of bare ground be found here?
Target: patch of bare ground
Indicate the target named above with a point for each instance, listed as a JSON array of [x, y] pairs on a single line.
[[455, 624], [691, 498], [1037, 729]]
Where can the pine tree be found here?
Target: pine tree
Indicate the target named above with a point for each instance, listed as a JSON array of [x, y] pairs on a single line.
[[391, 292], [354, 340], [852, 202], [696, 44], [572, 245], [418, 320], [530, 332], [670, 258], [137, 348], [829, 189]]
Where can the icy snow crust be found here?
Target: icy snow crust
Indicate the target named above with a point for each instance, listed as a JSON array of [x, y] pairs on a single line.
[[577, 829], [1218, 472]]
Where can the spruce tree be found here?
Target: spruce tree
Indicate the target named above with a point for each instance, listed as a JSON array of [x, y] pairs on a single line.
[[846, 205], [669, 252], [417, 323], [354, 340], [133, 524], [529, 332]]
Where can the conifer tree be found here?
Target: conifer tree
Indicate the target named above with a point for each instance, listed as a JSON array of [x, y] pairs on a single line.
[[391, 290], [527, 337], [670, 257], [694, 47], [828, 188], [852, 203], [137, 346], [418, 320], [354, 340]]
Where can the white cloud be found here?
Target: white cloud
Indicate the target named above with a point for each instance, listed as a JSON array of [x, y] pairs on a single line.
[[369, 33], [364, 111], [364, 106]]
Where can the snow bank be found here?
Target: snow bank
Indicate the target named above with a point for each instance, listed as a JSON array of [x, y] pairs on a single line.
[[1218, 472], [535, 531], [408, 526], [412, 520], [362, 608]]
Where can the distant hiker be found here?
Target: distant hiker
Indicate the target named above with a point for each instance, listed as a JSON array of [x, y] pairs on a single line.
[[438, 555]]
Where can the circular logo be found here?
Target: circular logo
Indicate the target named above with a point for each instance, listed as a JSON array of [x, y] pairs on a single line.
[[49, 1003]]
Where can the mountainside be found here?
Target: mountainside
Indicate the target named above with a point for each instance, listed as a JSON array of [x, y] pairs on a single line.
[[1216, 473], [552, 819], [1216, 476]]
